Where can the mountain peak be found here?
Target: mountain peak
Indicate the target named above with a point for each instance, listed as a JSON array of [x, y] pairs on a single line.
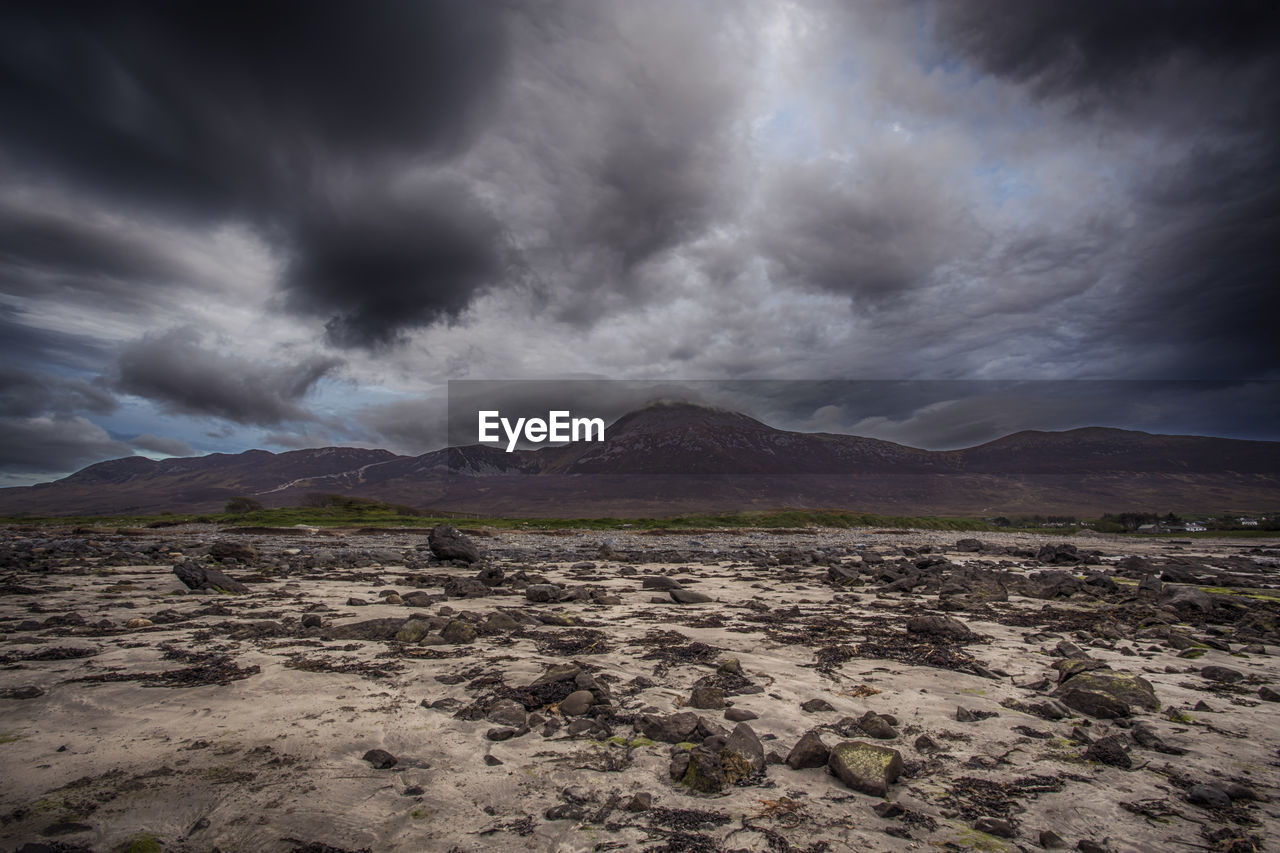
[[663, 415]]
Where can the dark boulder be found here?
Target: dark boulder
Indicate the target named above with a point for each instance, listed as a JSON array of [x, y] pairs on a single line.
[[446, 543], [196, 576]]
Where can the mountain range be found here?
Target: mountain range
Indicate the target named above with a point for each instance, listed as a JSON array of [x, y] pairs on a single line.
[[670, 458]]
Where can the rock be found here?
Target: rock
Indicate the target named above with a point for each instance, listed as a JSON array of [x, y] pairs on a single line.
[[1150, 586], [995, 826], [640, 802], [499, 621], [926, 744], [1254, 649], [1106, 694], [809, 751], [138, 622], [418, 598], [491, 576], [381, 759], [465, 588], [1051, 840], [865, 767], [659, 582], [413, 631], [1186, 598], [740, 715], [719, 763], [731, 666], [1065, 554], [492, 760], [970, 546], [940, 626], [1208, 796], [242, 551], [674, 728], [577, 703], [689, 596], [1224, 674], [369, 629], [312, 620], [707, 698], [543, 592], [877, 726], [446, 543], [501, 733], [507, 712], [816, 705], [27, 691], [459, 632], [196, 576], [1084, 845], [1109, 750], [1268, 694], [356, 602], [1144, 734]]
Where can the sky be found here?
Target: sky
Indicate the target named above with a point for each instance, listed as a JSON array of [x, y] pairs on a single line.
[[291, 223]]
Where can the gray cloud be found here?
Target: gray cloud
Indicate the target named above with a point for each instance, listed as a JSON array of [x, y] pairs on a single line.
[[162, 444], [176, 371], [54, 443]]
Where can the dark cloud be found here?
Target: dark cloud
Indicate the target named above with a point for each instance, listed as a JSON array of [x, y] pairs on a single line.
[[162, 444], [33, 393], [1061, 46], [176, 371], [54, 443], [210, 104], [376, 264]]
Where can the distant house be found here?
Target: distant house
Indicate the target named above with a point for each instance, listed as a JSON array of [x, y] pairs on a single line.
[[1195, 527], [1149, 528], [1248, 522]]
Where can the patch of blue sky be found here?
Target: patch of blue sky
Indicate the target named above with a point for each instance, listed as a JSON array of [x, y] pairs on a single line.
[[1004, 182]]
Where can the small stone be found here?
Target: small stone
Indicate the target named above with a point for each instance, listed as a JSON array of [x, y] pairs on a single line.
[[1268, 694], [577, 703], [924, 743], [27, 691], [888, 810], [1084, 845], [507, 712], [1208, 796], [312, 620], [730, 666], [877, 726], [413, 791], [380, 759], [1203, 707], [817, 705], [138, 622], [492, 760], [500, 733], [740, 715]]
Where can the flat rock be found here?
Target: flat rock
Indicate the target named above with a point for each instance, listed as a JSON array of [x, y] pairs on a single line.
[[381, 759], [689, 596], [196, 576], [1224, 674], [1107, 694], [940, 626]]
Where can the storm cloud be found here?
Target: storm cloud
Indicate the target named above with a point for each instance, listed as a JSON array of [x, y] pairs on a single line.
[[353, 203], [176, 371]]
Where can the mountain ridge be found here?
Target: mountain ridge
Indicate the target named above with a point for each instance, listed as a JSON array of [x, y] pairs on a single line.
[[681, 457]]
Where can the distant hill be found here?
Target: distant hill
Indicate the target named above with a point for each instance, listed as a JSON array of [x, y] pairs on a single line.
[[673, 458]]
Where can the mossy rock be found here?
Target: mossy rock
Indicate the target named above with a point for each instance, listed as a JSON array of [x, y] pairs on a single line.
[[1107, 694], [865, 767], [413, 631], [142, 843]]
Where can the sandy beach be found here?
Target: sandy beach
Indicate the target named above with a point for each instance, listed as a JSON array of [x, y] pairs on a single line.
[[363, 694]]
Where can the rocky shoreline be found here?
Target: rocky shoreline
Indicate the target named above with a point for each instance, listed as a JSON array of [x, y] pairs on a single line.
[[190, 688]]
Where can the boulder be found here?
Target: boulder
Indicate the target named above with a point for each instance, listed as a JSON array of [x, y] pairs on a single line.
[[465, 588], [241, 551], [940, 626], [688, 596], [674, 728], [196, 576], [809, 751], [446, 543], [507, 712], [369, 629], [707, 698], [659, 582], [1106, 694], [865, 767], [459, 632], [543, 592], [577, 703]]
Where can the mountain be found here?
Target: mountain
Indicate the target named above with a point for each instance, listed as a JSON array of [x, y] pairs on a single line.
[[671, 458]]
